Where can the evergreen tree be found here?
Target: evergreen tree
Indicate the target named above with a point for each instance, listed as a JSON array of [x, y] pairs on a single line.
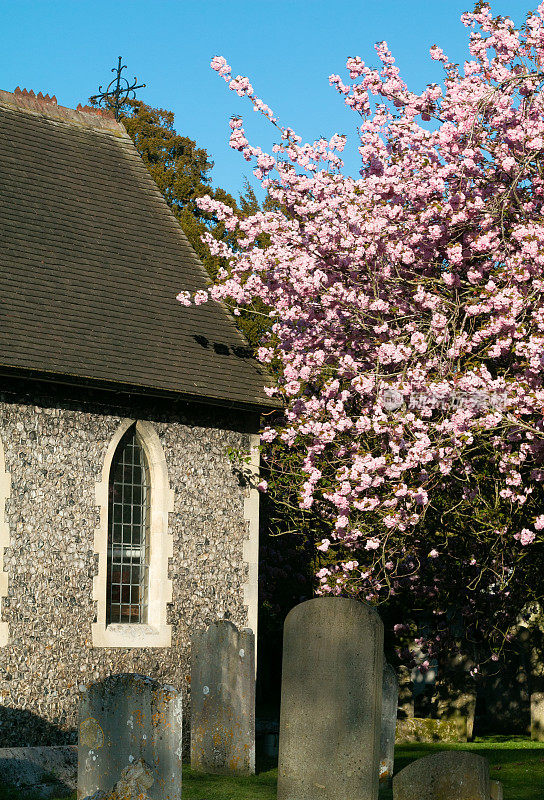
[[182, 172]]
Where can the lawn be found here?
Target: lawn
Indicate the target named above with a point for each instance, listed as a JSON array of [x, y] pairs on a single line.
[[517, 763]]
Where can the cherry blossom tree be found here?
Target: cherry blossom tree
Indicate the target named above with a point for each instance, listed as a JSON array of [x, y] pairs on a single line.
[[407, 336]]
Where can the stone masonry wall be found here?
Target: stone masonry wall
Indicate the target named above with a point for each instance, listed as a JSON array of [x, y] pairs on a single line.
[[54, 449]]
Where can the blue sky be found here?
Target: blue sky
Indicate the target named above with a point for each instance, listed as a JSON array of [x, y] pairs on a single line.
[[288, 48]]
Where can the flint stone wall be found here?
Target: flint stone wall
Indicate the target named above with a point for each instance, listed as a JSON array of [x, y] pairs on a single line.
[[54, 445]]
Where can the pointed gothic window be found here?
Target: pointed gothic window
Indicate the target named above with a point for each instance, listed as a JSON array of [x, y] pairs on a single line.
[[133, 543], [128, 533]]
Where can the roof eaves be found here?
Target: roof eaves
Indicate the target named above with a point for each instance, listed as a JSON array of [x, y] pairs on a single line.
[[255, 404]]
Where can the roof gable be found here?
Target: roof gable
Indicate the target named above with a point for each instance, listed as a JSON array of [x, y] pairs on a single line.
[[91, 261]]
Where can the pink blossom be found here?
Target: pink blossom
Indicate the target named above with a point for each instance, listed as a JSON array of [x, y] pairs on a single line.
[[422, 272], [372, 544], [292, 388], [184, 298], [527, 536], [421, 496], [323, 573], [268, 434]]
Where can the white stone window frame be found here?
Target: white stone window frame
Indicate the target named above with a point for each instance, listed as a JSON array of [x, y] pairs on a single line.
[[251, 540], [156, 632], [5, 487]]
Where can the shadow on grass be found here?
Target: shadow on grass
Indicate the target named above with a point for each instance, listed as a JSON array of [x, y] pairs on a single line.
[[261, 786], [515, 761]]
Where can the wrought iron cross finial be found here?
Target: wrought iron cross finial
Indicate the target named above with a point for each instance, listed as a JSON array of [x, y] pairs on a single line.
[[117, 92]]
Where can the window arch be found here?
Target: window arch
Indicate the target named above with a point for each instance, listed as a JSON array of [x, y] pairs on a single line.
[[132, 541], [128, 533]]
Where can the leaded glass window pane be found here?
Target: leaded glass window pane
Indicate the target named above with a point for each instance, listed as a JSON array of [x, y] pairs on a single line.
[[128, 533]]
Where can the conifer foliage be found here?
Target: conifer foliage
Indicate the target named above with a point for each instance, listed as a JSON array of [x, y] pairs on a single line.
[[182, 171]]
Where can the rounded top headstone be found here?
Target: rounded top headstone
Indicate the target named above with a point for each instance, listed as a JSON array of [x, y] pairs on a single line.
[[223, 622], [450, 775], [123, 718], [331, 701], [125, 680], [329, 608]]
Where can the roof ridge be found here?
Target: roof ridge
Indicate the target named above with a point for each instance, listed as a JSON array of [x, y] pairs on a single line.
[[97, 118]]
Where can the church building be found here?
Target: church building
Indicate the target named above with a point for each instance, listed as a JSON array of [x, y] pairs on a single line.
[[125, 525]]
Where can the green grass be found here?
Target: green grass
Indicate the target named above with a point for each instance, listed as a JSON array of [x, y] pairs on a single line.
[[218, 787], [517, 762]]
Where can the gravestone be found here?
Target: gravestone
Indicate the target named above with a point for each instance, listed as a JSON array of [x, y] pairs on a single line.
[[444, 776], [331, 700], [537, 716], [129, 724], [418, 729], [406, 693], [390, 696], [223, 700], [135, 780], [496, 790]]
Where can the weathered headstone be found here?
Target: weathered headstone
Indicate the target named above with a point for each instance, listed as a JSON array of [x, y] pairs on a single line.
[[444, 776], [406, 693], [419, 729], [390, 696], [537, 716], [496, 790], [331, 700], [125, 720], [223, 700], [133, 784]]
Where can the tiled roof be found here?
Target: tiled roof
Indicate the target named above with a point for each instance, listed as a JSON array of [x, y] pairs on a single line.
[[91, 261]]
